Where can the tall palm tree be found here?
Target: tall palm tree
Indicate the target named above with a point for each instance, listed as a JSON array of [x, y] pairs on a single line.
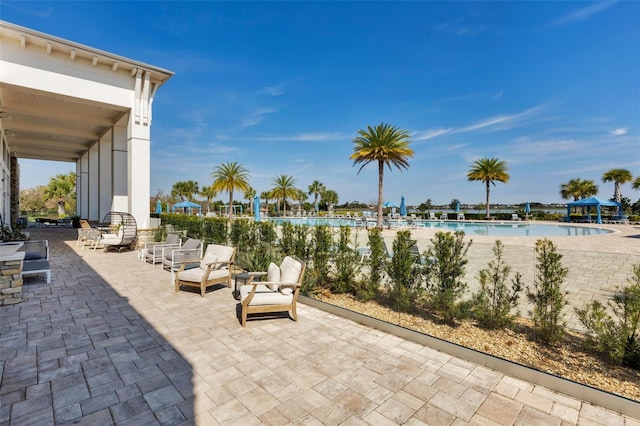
[[577, 189], [266, 196], [283, 188], [301, 197], [230, 176], [61, 189], [571, 189], [185, 190], [636, 183], [208, 193], [330, 197], [489, 170], [249, 194], [316, 188], [386, 145], [619, 177]]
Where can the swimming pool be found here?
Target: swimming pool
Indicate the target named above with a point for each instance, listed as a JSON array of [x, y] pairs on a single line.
[[497, 228]]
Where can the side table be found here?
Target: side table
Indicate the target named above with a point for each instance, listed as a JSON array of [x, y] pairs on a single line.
[[240, 280]]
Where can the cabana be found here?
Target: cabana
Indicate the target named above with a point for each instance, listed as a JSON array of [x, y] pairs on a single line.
[[592, 202], [188, 205]]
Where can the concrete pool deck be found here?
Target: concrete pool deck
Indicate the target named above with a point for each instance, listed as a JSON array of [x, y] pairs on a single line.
[[110, 342]]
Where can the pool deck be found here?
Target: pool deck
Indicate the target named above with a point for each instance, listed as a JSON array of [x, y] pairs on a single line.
[[109, 341]]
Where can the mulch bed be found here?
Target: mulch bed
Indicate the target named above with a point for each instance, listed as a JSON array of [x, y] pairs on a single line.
[[569, 359]]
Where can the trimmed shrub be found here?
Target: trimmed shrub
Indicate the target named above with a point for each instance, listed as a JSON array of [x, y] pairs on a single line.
[[547, 296], [406, 277], [446, 268], [619, 338], [377, 262], [347, 264], [492, 304]]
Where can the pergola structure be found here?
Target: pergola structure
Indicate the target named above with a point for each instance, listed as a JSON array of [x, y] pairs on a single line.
[[63, 101]]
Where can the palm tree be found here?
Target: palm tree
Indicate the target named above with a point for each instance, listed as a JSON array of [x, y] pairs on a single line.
[[588, 188], [489, 170], [330, 198], [266, 196], [386, 144], [619, 177], [208, 193], [249, 194], [636, 183], [577, 189], [61, 189], [571, 189], [301, 197], [283, 188], [316, 188], [185, 190], [228, 177]]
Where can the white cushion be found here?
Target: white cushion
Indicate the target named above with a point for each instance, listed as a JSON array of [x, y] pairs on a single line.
[[264, 296], [223, 253], [290, 270], [195, 274], [208, 258], [286, 290], [273, 276]]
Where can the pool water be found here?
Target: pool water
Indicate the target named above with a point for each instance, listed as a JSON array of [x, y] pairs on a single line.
[[499, 229]]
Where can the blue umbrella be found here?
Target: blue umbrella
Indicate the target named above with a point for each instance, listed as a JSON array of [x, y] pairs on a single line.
[[390, 204], [457, 206], [256, 208], [527, 208], [159, 207], [403, 207]]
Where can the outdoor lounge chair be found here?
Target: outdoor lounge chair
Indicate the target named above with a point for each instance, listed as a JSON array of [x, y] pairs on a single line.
[[514, 216], [191, 250], [87, 234], [279, 293], [215, 268], [153, 250], [36, 258], [432, 216], [460, 216], [122, 232]]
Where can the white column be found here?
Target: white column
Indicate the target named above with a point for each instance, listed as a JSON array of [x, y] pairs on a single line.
[[139, 151], [93, 187]]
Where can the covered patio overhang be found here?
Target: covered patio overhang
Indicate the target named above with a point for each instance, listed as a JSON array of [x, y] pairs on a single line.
[[63, 101]]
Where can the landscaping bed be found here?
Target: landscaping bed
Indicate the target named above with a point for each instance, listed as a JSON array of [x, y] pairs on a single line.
[[568, 359]]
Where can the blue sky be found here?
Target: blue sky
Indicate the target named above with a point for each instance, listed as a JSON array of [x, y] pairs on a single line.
[[553, 88]]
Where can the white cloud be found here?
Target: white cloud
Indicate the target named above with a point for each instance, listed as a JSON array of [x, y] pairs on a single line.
[[276, 90], [305, 137], [257, 116], [501, 122], [582, 14], [619, 132], [428, 134]]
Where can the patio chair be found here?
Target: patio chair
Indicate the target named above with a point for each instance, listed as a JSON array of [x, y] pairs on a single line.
[[191, 251], [432, 216], [87, 234], [444, 216], [514, 216], [153, 250], [36, 258], [122, 232], [215, 268], [460, 216], [279, 293]]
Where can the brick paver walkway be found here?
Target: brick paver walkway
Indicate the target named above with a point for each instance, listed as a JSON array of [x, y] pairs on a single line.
[[110, 342]]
